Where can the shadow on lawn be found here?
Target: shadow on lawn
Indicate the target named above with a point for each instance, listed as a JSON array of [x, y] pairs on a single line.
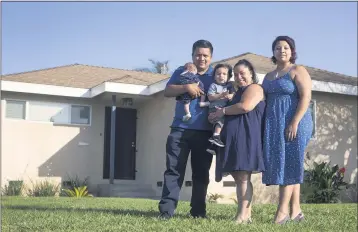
[[131, 212]]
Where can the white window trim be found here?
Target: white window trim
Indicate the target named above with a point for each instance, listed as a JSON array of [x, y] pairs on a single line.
[[314, 108], [16, 119], [27, 104], [70, 114]]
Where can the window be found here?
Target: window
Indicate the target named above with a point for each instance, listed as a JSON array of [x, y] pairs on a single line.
[[80, 114], [57, 113], [15, 109], [312, 106], [48, 112]]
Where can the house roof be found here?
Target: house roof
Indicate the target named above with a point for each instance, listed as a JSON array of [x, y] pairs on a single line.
[[87, 76], [84, 76], [263, 64]]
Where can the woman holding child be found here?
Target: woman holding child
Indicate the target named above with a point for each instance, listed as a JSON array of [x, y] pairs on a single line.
[[242, 135], [278, 150]]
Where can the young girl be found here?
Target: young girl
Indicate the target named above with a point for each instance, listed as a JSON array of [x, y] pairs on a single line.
[[189, 77], [219, 93]]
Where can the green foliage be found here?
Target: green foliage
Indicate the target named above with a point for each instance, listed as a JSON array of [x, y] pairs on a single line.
[[14, 188], [77, 192], [84, 214], [75, 187], [43, 189], [234, 198], [323, 183], [213, 197], [75, 182], [160, 67]]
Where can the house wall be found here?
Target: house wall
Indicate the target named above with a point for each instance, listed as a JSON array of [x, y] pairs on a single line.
[[336, 137], [40, 150], [336, 132], [154, 119], [32, 150]]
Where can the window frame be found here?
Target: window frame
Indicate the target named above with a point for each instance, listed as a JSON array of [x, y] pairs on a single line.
[[18, 100], [28, 104], [70, 115]]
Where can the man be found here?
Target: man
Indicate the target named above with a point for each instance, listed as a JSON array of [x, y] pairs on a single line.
[[189, 137]]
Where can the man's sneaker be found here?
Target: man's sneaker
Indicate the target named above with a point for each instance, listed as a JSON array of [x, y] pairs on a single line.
[[164, 216], [215, 139], [186, 117], [204, 104], [203, 216]]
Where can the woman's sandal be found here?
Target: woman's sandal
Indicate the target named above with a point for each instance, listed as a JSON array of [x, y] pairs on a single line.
[[247, 221], [283, 221], [299, 218]]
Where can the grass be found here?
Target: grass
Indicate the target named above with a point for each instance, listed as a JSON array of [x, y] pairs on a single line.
[[119, 214]]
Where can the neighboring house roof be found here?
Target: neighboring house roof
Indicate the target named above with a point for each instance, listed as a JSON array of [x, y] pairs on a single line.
[[263, 64], [84, 76]]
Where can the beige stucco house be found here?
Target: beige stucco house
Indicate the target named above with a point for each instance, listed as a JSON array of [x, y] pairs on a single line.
[[56, 123]]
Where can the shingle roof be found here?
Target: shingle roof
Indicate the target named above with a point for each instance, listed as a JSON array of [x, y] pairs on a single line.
[[88, 76], [84, 76], [264, 65]]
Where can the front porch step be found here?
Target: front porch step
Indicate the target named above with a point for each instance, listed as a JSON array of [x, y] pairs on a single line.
[[127, 191]]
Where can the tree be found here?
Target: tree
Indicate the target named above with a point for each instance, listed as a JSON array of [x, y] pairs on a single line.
[[158, 67]]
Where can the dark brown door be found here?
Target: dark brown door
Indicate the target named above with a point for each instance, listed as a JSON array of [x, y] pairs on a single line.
[[125, 143]]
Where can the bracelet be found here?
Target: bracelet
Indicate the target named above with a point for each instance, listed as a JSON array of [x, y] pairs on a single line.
[[224, 111]]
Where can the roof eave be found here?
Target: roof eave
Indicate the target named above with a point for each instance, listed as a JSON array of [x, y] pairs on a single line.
[[145, 90]]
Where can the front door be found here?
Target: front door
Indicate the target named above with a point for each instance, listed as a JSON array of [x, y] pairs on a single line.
[[125, 143]]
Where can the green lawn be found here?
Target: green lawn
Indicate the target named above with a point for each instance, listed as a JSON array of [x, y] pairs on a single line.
[[118, 214]]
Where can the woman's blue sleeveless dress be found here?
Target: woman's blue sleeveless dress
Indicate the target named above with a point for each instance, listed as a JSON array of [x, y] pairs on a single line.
[[284, 159]]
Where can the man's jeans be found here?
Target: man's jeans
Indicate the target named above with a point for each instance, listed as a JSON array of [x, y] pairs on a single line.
[[180, 143]]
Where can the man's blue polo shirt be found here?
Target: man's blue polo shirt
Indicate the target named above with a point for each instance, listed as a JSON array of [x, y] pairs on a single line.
[[199, 115]]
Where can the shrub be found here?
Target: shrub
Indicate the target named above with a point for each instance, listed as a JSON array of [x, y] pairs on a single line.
[[43, 189], [323, 183], [71, 185], [76, 182], [14, 188], [234, 198], [77, 192], [213, 197]]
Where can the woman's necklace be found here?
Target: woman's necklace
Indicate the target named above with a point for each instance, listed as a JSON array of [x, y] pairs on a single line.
[[277, 71], [276, 74]]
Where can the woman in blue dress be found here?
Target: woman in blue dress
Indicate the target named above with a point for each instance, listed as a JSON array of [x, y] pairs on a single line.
[[288, 127], [242, 134]]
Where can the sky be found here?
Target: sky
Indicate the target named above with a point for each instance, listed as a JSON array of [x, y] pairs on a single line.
[[37, 35]]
